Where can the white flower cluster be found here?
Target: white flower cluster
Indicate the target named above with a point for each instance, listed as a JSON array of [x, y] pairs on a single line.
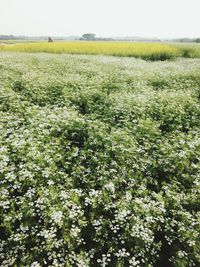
[[99, 161]]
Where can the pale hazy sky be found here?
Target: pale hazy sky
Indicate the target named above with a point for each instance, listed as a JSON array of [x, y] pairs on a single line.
[[147, 18]]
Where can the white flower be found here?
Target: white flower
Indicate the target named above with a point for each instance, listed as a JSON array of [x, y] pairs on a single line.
[[35, 264], [57, 217], [110, 187], [133, 262]]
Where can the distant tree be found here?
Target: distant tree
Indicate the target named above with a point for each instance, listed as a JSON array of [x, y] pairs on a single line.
[[88, 36], [197, 40]]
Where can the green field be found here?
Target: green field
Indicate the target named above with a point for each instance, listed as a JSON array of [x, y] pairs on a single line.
[[99, 161]]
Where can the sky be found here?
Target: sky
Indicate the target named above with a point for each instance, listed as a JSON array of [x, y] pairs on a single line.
[[144, 18]]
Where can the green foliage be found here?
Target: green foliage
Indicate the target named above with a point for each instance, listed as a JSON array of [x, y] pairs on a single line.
[[99, 161]]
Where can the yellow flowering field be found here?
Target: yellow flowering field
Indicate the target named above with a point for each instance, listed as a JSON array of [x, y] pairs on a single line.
[[149, 51]]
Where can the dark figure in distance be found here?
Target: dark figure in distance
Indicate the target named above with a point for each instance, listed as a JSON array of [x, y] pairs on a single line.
[[50, 40]]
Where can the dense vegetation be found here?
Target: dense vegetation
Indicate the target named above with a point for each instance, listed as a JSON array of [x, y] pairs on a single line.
[[147, 51], [99, 161], [150, 51]]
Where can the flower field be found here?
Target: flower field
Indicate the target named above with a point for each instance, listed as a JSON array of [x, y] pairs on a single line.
[[147, 51], [150, 51], [99, 160]]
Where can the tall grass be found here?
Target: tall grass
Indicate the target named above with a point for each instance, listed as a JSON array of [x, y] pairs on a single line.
[[189, 50]]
